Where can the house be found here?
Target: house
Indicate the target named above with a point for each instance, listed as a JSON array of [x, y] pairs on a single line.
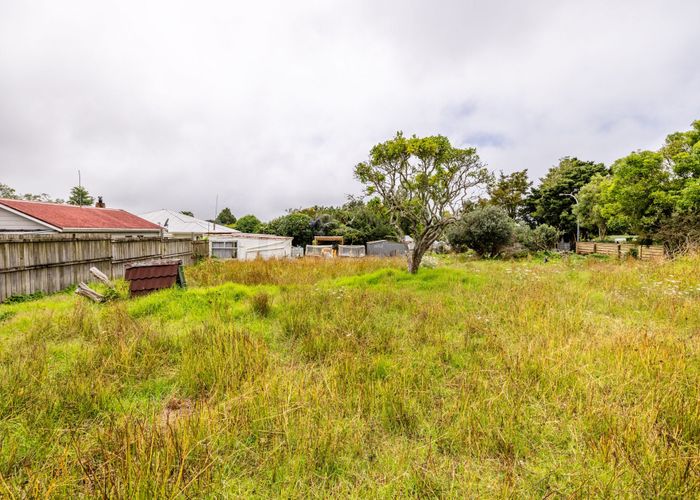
[[22, 216], [180, 225], [224, 242], [246, 246]]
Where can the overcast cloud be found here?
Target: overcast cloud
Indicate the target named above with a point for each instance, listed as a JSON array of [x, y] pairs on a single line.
[[165, 104]]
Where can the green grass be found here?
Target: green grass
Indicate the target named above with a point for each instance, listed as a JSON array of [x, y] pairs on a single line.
[[314, 378]]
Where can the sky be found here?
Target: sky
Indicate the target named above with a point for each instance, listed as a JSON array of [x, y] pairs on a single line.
[[269, 105]]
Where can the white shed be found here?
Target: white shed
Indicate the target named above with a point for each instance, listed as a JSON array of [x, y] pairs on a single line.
[[180, 225], [247, 246]]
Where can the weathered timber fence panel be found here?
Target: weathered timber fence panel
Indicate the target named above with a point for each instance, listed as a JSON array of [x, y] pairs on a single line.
[[49, 263], [611, 249], [644, 252], [585, 248], [200, 249], [128, 251], [651, 252]]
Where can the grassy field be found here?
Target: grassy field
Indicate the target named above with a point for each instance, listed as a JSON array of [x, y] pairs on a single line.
[[575, 377]]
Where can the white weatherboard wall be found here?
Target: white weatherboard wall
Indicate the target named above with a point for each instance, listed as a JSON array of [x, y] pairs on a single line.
[[253, 246], [10, 221]]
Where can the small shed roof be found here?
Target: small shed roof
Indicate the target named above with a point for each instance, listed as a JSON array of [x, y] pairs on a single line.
[[149, 277], [71, 217], [175, 222]]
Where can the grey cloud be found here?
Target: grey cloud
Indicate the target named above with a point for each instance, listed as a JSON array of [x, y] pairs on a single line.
[[271, 104]]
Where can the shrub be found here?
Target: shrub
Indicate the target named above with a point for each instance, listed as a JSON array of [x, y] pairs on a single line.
[[485, 230], [543, 237]]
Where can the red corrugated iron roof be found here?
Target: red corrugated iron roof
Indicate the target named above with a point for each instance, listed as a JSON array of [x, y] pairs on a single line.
[[86, 218], [147, 278]]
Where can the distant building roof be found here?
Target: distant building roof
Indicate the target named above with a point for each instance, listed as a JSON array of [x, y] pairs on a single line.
[[70, 217], [253, 236], [175, 222]]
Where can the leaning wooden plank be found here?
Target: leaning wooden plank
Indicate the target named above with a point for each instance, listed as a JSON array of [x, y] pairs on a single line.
[[88, 292], [101, 276]]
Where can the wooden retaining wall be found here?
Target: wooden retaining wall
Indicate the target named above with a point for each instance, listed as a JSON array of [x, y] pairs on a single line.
[[619, 250], [51, 262]]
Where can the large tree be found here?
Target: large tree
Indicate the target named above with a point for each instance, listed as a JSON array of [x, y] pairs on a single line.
[[80, 196], [248, 224], [640, 187], [550, 201], [509, 192], [424, 183], [296, 224]]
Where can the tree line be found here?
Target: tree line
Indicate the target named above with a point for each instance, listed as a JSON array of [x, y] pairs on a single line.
[[428, 189]]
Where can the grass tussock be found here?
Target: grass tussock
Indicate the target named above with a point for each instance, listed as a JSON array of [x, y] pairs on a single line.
[[315, 378]]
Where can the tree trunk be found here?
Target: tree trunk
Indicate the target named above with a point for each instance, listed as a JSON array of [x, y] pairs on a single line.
[[415, 256]]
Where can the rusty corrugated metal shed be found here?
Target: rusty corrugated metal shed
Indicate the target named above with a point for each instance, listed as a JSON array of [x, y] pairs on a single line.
[[147, 278]]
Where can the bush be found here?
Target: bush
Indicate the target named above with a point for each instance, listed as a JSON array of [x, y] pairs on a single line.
[[485, 230], [543, 237], [679, 233]]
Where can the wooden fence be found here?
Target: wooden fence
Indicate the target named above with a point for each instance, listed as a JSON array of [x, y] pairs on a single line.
[[619, 250], [52, 262]]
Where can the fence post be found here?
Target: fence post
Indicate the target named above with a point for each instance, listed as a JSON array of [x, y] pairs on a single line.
[[619, 251]]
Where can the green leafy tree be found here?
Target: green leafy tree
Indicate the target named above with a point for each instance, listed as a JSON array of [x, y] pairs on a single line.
[[509, 192], [296, 224], [248, 224], [363, 222], [550, 203], [682, 152], [542, 237], [596, 208], [423, 183], [80, 196], [8, 192], [225, 217], [682, 155], [640, 186], [486, 230]]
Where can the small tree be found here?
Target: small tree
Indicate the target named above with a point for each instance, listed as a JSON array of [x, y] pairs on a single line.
[[485, 230], [423, 182], [509, 192], [248, 224], [543, 237], [225, 217], [80, 196]]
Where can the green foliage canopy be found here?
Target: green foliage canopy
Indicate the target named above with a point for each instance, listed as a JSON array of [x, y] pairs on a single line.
[[549, 201], [296, 224], [80, 196], [486, 230], [509, 192], [225, 217], [423, 183], [248, 224]]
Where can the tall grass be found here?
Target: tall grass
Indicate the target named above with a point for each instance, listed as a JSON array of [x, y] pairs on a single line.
[[309, 378]]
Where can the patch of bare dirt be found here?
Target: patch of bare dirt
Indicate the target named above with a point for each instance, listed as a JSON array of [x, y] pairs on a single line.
[[176, 409]]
